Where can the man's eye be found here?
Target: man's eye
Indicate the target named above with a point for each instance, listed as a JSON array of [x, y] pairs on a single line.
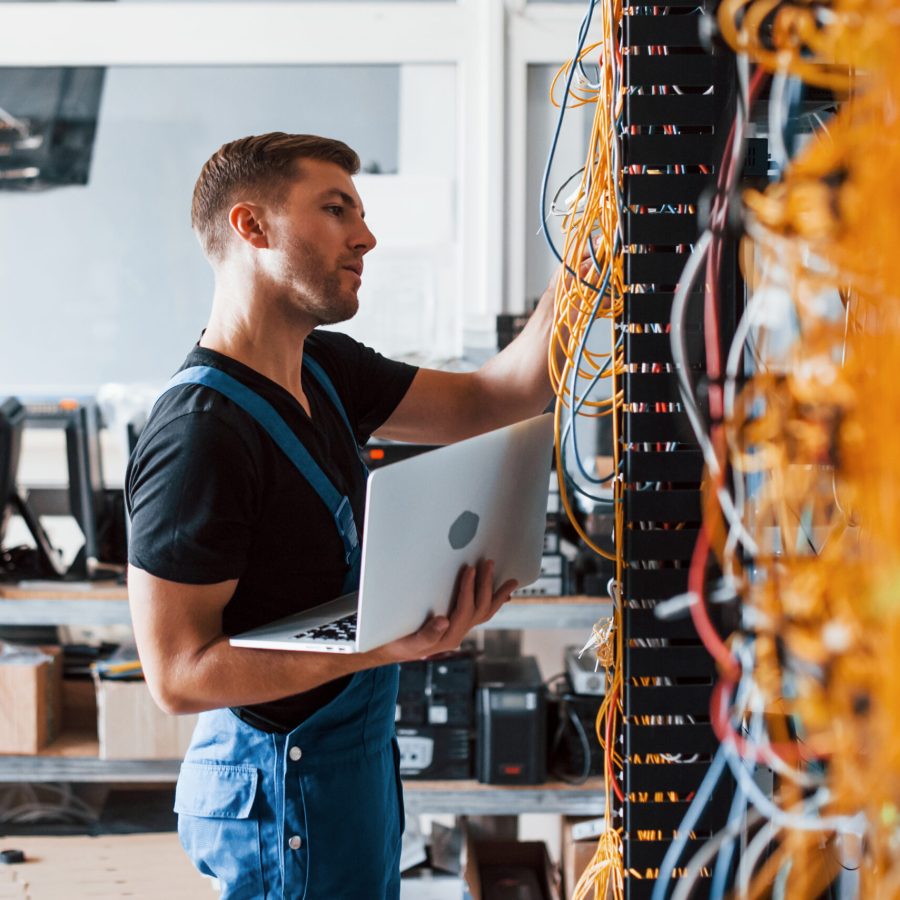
[[335, 210]]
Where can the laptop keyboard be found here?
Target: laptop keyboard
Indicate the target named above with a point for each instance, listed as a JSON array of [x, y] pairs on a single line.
[[340, 630]]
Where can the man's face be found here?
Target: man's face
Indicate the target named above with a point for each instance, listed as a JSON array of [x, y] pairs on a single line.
[[319, 237]]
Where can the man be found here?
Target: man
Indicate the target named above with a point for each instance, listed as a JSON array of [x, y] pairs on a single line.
[[290, 787]]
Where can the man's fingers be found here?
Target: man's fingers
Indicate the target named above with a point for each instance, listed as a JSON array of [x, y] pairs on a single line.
[[502, 594], [464, 603], [422, 642], [484, 587], [436, 627]]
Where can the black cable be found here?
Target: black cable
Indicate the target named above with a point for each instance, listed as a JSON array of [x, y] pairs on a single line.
[[567, 717]]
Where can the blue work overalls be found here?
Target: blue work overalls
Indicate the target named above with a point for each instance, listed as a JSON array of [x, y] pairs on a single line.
[[316, 814]]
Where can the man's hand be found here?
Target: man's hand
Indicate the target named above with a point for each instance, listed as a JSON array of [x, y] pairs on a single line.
[[476, 602]]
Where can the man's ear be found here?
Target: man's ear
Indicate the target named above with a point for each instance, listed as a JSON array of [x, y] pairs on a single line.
[[246, 222]]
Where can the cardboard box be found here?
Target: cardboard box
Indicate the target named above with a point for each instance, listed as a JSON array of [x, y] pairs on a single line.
[[30, 689], [485, 859], [575, 855], [131, 726]]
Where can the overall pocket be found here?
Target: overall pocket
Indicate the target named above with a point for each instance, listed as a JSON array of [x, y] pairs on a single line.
[[217, 825]]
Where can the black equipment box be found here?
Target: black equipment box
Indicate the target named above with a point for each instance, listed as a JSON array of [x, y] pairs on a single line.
[[435, 752], [511, 709], [437, 692]]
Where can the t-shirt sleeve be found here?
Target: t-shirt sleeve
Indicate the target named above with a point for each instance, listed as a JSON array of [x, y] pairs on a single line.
[[370, 385], [192, 492]]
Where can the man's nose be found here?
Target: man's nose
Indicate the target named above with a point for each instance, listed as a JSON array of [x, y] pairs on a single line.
[[364, 241]]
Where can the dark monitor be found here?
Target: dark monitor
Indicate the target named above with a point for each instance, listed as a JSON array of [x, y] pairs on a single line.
[[45, 560], [98, 512], [12, 421], [87, 496]]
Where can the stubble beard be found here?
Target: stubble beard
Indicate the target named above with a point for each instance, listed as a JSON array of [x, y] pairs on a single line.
[[316, 290]]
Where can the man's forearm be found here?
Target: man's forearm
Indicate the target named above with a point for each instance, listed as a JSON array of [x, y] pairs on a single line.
[[515, 384], [221, 675]]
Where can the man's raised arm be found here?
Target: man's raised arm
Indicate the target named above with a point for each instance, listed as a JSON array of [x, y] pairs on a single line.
[[444, 407]]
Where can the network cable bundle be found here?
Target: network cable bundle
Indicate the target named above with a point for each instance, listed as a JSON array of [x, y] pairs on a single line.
[[754, 481]]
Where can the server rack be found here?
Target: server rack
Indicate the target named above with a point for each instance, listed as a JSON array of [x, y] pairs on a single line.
[[670, 147]]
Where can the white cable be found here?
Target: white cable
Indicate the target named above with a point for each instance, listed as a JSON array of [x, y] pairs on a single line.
[[777, 148], [751, 856], [679, 308], [841, 824], [707, 852]]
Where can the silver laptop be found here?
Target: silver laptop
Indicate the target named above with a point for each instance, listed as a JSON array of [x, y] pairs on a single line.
[[426, 517]]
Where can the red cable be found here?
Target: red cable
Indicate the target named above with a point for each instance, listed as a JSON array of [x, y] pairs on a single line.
[[707, 632], [697, 574], [788, 753]]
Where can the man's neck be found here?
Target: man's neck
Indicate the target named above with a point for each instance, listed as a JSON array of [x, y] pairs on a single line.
[[264, 342]]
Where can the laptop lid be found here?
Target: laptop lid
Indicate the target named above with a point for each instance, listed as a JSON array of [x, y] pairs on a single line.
[[426, 517]]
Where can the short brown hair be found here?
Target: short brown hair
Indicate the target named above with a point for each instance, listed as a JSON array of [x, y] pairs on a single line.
[[258, 164]]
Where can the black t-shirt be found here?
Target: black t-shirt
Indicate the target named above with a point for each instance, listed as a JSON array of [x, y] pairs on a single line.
[[211, 496]]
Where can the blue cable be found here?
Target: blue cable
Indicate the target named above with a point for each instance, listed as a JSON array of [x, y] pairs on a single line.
[[570, 424], [688, 823], [582, 37], [576, 406], [723, 863]]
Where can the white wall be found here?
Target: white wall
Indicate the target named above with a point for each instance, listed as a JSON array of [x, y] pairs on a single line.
[[106, 282]]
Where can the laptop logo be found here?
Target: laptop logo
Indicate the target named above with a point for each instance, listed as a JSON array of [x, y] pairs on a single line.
[[462, 531]]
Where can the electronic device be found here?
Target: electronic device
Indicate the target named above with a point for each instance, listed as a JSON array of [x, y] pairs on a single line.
[[86, 489], [545, 586], [511, 714], [437, 691], [430, 751], [47, 137], [12, 416], [574, 752], [100, 514], [426, 517], [378, 453], [551, 538], [582, 675], [589, 829], [552, 564], [44, 560]]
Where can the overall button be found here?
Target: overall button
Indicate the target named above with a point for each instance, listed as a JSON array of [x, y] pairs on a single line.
[[295, 753], [294, 842]]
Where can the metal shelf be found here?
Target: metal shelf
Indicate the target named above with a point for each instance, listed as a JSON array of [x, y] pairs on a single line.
[[474, 799], [64, 612], [60, 605], [60, 763], [74, 758], [550, 612]]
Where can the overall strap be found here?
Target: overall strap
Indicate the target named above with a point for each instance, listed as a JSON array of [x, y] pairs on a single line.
[[325, 383], [264, 413]]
